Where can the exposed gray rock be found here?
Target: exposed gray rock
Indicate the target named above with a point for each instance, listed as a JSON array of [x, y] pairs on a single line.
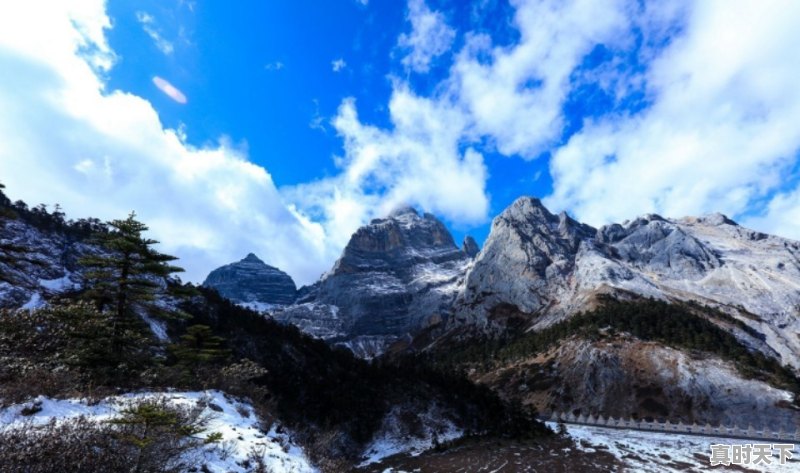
[[548, 267], [403, 273], [528, 250], [397, 275], [470, 247], [47, 267], [626, 377], [253, 283]]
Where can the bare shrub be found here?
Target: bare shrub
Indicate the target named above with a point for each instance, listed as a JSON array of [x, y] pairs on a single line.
[[149, 436], [227, 448], [256, 461]]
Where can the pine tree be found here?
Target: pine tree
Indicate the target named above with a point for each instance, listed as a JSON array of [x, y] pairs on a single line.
[[158, 435], [199, 346], [93, 345], [124, 281]]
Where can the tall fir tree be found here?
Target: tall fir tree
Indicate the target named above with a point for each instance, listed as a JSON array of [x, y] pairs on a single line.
[[197, 349], [199, 345], [124, 281]]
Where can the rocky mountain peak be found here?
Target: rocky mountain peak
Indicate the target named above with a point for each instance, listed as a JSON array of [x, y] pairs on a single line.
[[539, 229], [714, 219], [396, 276], [528, 209], [252, 258], [402, 238], [405, 211], [470, 247], [252, 282]]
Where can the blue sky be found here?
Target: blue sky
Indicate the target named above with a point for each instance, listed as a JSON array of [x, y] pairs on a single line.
[[261, 74], [280, 127]]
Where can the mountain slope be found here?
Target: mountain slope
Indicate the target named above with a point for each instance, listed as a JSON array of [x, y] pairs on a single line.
[[39, 254]]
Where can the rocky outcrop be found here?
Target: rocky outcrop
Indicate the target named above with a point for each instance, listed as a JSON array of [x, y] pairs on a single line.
[[36, 264], [470, 247], [626, 377], [396, 276], [253, 283], [528, 254]]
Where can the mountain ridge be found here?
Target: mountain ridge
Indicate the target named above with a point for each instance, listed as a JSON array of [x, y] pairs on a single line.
[[546, 267]]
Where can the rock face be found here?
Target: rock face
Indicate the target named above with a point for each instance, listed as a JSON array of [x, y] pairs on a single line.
[[470, 247], [396, 276], [48, 266], [253, 283], [547, 267], [626, 377]]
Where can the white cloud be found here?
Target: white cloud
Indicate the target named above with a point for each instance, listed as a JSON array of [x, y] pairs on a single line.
[[718, 80], [719, 133], [317, 121], [419, 162], [429, 156], [148, 23], [65, 138], [515, 95], [430, 36], [274, 66], [169, 90], [338, 64]]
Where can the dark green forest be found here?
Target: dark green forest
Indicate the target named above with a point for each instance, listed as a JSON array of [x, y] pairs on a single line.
[[685, 326]]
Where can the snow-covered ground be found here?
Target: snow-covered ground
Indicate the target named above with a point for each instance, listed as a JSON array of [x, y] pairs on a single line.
[[35, 302], [261, 307], [394, 438], [660, 452], [240, 428]]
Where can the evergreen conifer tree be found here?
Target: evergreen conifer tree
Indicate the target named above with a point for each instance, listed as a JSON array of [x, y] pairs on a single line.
[[199, 346], [124, 281]]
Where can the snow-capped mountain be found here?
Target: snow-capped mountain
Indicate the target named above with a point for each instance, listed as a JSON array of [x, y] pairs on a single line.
[[548, 267], [402, 274]]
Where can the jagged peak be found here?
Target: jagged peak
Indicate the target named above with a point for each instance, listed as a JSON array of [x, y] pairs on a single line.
[[645, 220], [528, 201], [403, 211], [531, 210], [717, 219], [526, 207], [470, 246], [252, 258]]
